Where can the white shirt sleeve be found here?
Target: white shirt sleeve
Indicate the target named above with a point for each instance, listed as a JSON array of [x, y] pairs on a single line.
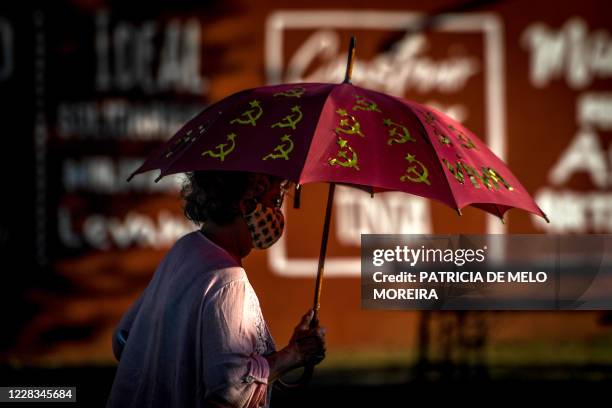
[[232, 368]]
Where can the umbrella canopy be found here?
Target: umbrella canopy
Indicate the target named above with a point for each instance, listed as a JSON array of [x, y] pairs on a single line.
[[342, 133]]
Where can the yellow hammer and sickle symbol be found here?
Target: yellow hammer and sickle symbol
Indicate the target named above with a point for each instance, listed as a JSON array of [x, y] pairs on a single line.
[[221, 148], [342, 153], [283, 149], [413, 175], [348, 124], [290, 120], [292, 93], [365, 104], [488, 172], [429, 117], [398, 132], [251, 114], [441, 138], [465, 141]]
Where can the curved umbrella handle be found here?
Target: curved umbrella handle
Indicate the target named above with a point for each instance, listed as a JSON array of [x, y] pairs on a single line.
[[300, 383], [304, 379]]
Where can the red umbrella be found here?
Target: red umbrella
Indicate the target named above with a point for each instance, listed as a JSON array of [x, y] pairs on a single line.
[[342, 133]]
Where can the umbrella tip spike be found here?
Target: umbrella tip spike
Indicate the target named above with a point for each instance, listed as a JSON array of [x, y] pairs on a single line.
[[350, 60], [459, 212], [158, 178], [546, 218], [130, 177]]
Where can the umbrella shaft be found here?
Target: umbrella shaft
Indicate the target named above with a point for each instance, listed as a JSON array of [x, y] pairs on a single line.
[[350, 60], [322, 252]]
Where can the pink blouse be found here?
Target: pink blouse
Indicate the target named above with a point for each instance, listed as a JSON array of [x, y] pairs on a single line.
[[197, 330]]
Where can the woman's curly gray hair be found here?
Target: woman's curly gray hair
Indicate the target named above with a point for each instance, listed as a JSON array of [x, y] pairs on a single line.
[[214, 195]]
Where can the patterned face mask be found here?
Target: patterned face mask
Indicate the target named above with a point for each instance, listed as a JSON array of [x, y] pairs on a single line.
[[266, 225]]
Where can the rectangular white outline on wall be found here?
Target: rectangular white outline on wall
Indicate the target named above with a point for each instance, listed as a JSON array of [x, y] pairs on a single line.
[[488, 23]]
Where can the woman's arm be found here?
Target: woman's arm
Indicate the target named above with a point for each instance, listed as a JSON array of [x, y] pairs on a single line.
[[280, 362], [232, 370], [122, 331], [233, 373]]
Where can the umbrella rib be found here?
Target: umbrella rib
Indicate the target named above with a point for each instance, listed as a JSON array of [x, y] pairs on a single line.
[[314, 132], [431, 145]]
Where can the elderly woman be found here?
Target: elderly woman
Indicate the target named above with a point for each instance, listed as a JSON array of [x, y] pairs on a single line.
[[196, 336]]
